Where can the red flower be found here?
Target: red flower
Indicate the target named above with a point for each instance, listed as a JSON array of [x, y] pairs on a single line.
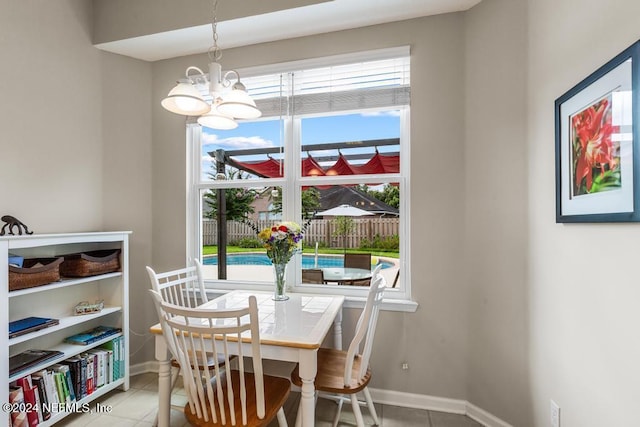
[[594, 150], [283, 228]]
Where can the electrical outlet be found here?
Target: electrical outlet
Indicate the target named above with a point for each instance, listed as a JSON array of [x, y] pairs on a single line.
[[555, 414], [405, 366]]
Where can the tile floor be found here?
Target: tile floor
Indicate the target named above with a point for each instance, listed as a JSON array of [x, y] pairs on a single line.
[[138, 407]]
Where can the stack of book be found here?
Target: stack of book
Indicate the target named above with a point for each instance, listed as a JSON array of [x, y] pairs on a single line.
[[52, 389], [93, 335]]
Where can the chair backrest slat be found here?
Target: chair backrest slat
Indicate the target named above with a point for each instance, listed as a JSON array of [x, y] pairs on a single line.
[[184, 287], [365, 328], [194, 331]]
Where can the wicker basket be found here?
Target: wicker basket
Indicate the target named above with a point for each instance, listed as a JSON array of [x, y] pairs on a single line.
[[28, 276], [90, 263]]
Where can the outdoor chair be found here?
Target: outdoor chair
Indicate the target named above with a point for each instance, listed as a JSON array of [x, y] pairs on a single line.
[[347, 372], [313, 275], [362, 261], [222, 397]]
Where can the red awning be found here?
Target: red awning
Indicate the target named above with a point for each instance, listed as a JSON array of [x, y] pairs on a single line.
[[271, 168]]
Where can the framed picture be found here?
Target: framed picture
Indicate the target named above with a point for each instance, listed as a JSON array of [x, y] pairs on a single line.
[[597, 151]]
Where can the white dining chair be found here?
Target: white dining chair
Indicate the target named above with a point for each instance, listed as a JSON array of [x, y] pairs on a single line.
[[183, 287], [222, 397], [344, 373]]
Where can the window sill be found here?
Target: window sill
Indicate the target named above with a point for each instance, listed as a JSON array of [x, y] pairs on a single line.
[[388, 304], [401, 305]]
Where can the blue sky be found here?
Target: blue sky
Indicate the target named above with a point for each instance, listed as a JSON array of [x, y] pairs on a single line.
[[316, 130]]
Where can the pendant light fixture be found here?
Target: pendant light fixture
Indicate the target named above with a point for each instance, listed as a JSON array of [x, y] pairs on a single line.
[[230, 100]]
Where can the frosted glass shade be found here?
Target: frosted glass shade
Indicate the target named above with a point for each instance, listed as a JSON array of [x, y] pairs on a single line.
[[186, 100], [214, 120], [239, 104]]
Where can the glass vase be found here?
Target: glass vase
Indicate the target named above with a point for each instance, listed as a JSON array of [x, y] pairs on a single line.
[[279, 293]]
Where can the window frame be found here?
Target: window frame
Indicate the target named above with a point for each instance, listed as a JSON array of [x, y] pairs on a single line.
[[292, 184]]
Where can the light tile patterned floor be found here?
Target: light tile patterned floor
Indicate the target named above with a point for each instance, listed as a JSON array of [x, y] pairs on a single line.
[[138, 407]]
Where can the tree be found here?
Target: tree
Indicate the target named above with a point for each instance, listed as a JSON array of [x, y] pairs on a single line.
[[390, 194], [310, 202], [238, 200], [344, 225]]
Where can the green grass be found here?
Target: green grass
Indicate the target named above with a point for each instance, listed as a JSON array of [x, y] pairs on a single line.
[[213, 250]]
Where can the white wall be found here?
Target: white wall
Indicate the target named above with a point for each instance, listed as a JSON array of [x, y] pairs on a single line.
[[75, 135], [583, 288]]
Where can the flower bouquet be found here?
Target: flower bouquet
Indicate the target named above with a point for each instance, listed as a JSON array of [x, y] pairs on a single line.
[[281, 241]]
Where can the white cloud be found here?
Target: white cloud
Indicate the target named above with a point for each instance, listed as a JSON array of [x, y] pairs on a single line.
[[211, 142], [392, 113]]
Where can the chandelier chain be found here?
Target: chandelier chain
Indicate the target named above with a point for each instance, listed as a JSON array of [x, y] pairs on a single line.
[[214, 51]]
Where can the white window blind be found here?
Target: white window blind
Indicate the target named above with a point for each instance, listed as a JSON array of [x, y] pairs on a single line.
[[362, 85]]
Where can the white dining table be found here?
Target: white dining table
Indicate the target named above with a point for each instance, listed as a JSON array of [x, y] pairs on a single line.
[[290, 330]]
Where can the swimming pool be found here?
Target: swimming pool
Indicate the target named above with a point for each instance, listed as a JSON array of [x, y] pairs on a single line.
[[308, 260]]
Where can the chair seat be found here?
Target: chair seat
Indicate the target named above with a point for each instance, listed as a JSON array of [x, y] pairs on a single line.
[[330, 376], [276, 392], [210, 361]]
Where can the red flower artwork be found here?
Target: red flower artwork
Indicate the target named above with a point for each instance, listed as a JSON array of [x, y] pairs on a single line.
[[595, 156]]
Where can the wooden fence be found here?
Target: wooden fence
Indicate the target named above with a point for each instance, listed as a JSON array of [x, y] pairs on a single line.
[[320, 230]]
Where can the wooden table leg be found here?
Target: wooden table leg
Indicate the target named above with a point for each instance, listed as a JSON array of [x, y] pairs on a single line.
[[307, 370], [164, 382]]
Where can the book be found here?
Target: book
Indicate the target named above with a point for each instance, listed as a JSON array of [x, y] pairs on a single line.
[[29, 394], [16, 398], [30, 324], [29, 358], [32, 406], [90, 371], [52, 392], [109, 369], [114, 347], [69, 392], [39, 382], [75, 368], [100, 364], [60, 389], [93, 335]]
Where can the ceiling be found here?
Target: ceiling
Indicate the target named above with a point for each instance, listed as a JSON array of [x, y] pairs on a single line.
[[317, 18]]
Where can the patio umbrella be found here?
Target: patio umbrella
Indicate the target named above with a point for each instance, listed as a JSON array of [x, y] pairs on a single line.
[[344, 210]]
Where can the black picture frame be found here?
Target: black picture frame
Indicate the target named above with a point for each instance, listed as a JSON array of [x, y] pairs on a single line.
[[597, 145]]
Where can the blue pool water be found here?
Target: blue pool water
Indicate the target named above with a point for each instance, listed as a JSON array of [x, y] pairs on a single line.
[[308, 261]]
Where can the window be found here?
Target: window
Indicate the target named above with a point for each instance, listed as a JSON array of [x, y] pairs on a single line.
[[333, 135]]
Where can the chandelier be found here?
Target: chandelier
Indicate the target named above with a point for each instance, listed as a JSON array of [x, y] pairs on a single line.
[[229, 100]]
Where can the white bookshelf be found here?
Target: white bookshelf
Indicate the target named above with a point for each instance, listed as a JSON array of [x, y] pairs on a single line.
[[57, 300]]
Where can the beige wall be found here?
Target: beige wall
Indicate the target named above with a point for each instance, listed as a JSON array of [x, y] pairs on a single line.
[[583, 288], [76, 135], [496, 235], [51, 117], [433, 340]]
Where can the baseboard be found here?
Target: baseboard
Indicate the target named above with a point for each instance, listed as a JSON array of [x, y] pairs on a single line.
[[397, 398], [434, 403], [418, 401], [141, 368]]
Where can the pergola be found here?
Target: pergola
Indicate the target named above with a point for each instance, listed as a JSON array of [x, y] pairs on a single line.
[[343, 164]]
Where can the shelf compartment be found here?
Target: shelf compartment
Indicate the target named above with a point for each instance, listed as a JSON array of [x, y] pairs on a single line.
[[87, 399], [65, 282], [65, 322], [68, 350]]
